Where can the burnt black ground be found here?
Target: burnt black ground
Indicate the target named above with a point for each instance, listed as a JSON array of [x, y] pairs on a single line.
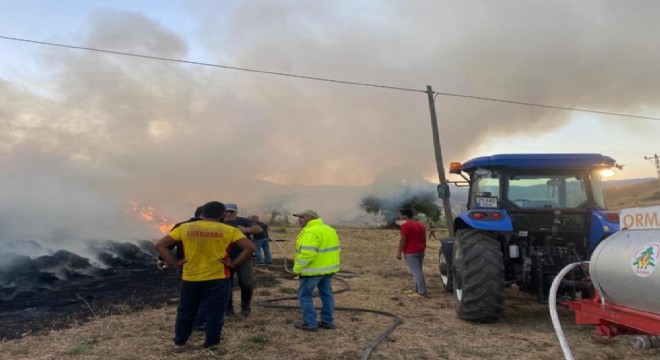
[[34, 313], [131, 282]]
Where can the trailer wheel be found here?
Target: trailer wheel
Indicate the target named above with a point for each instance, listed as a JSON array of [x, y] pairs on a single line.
[[445, 267], [478, 277]]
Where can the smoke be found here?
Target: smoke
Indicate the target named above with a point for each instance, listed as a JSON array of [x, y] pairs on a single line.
[[94, 131], [41, 214]]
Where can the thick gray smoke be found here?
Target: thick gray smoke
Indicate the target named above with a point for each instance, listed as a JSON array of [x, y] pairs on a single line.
[[94, 131]]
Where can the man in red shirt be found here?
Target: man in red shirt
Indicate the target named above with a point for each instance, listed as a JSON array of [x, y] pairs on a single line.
[[411, 247]]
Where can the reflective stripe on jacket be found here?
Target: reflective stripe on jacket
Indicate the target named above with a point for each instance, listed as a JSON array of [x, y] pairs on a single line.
[[317, 250]]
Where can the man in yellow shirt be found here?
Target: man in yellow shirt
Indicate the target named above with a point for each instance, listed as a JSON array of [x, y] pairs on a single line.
[[317, 259], [206, 269]]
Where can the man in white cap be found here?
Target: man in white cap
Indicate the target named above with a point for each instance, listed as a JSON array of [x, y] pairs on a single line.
[[317, 259]]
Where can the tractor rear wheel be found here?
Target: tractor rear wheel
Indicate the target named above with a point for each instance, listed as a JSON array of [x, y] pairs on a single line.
[[446, 273], [478, 277]]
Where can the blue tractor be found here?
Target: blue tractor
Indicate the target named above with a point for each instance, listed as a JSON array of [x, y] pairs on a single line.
[[527, 217]]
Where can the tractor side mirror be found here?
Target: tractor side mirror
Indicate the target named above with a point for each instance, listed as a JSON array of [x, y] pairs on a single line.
[[443, 191]]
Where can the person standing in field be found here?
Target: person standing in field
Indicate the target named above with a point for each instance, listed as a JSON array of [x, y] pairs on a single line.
[[244, 272], [432, 234], [261, 241], [412, 246], [206, 271], [161, 265], [316, 260]]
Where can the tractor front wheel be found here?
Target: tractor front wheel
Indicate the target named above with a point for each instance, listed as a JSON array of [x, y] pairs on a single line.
[[478, 277]]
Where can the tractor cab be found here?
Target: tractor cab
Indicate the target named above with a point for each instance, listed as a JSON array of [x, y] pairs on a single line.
[[528, 215]]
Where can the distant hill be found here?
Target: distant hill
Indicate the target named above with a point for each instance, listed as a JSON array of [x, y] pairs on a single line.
[[619, 194], [626, 182], [632, 193]]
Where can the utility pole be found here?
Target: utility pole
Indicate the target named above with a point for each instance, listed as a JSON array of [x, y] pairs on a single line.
[[438, 159], [656, 159]]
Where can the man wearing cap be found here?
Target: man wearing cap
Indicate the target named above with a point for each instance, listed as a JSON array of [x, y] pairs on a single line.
[[245, 270], [317, 259]]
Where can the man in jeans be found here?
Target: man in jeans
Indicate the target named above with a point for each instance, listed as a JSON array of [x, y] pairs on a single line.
[[262, 240], [206, 268], [316, 260], [412, 245]]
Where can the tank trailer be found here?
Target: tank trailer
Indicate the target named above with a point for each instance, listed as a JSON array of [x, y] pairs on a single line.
[[623, 269]]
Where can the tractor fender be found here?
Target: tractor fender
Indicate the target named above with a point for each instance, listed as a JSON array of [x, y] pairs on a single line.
[[466, 220], [601, 228]]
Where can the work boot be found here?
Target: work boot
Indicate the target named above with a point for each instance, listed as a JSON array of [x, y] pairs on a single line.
[[324, 325], [303, 326], [417, 296], [245, 309]]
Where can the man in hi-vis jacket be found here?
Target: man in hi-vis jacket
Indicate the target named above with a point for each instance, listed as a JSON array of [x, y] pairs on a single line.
[[317, 259]]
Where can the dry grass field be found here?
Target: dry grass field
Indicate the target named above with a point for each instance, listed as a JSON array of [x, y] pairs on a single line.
[[639, 195], [429, 329]]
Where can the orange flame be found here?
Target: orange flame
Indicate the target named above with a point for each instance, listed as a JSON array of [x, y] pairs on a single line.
[[146, 213]]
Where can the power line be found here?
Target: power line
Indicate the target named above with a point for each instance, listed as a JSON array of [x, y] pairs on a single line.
[[435, 93], [549, 106], [212, 65]]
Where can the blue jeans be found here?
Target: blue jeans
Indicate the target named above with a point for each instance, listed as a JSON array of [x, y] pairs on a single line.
[[415, 263], [263, 250], [307, 284], [215, 293]]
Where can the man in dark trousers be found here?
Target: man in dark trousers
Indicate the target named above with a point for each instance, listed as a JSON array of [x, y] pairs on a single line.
[[432, 234], [245, 270], [206, 271]]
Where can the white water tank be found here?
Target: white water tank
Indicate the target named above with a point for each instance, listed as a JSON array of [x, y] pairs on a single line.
[[624, 269]]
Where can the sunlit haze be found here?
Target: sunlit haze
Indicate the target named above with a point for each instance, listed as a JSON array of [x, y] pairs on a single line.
[[86, 134]]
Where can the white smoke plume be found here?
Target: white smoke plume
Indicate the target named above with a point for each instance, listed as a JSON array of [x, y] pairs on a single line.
[[91, 132]]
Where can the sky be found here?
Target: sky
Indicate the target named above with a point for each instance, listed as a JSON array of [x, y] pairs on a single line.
[[84, 133]]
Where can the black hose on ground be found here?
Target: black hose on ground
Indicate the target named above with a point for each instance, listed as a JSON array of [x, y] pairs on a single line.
[[341, 277]]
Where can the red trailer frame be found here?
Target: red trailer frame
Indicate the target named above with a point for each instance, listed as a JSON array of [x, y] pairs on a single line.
[[613, 320]]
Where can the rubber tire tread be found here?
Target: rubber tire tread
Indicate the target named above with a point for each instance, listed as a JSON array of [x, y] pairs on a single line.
[[481, 268], [449, 287]]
